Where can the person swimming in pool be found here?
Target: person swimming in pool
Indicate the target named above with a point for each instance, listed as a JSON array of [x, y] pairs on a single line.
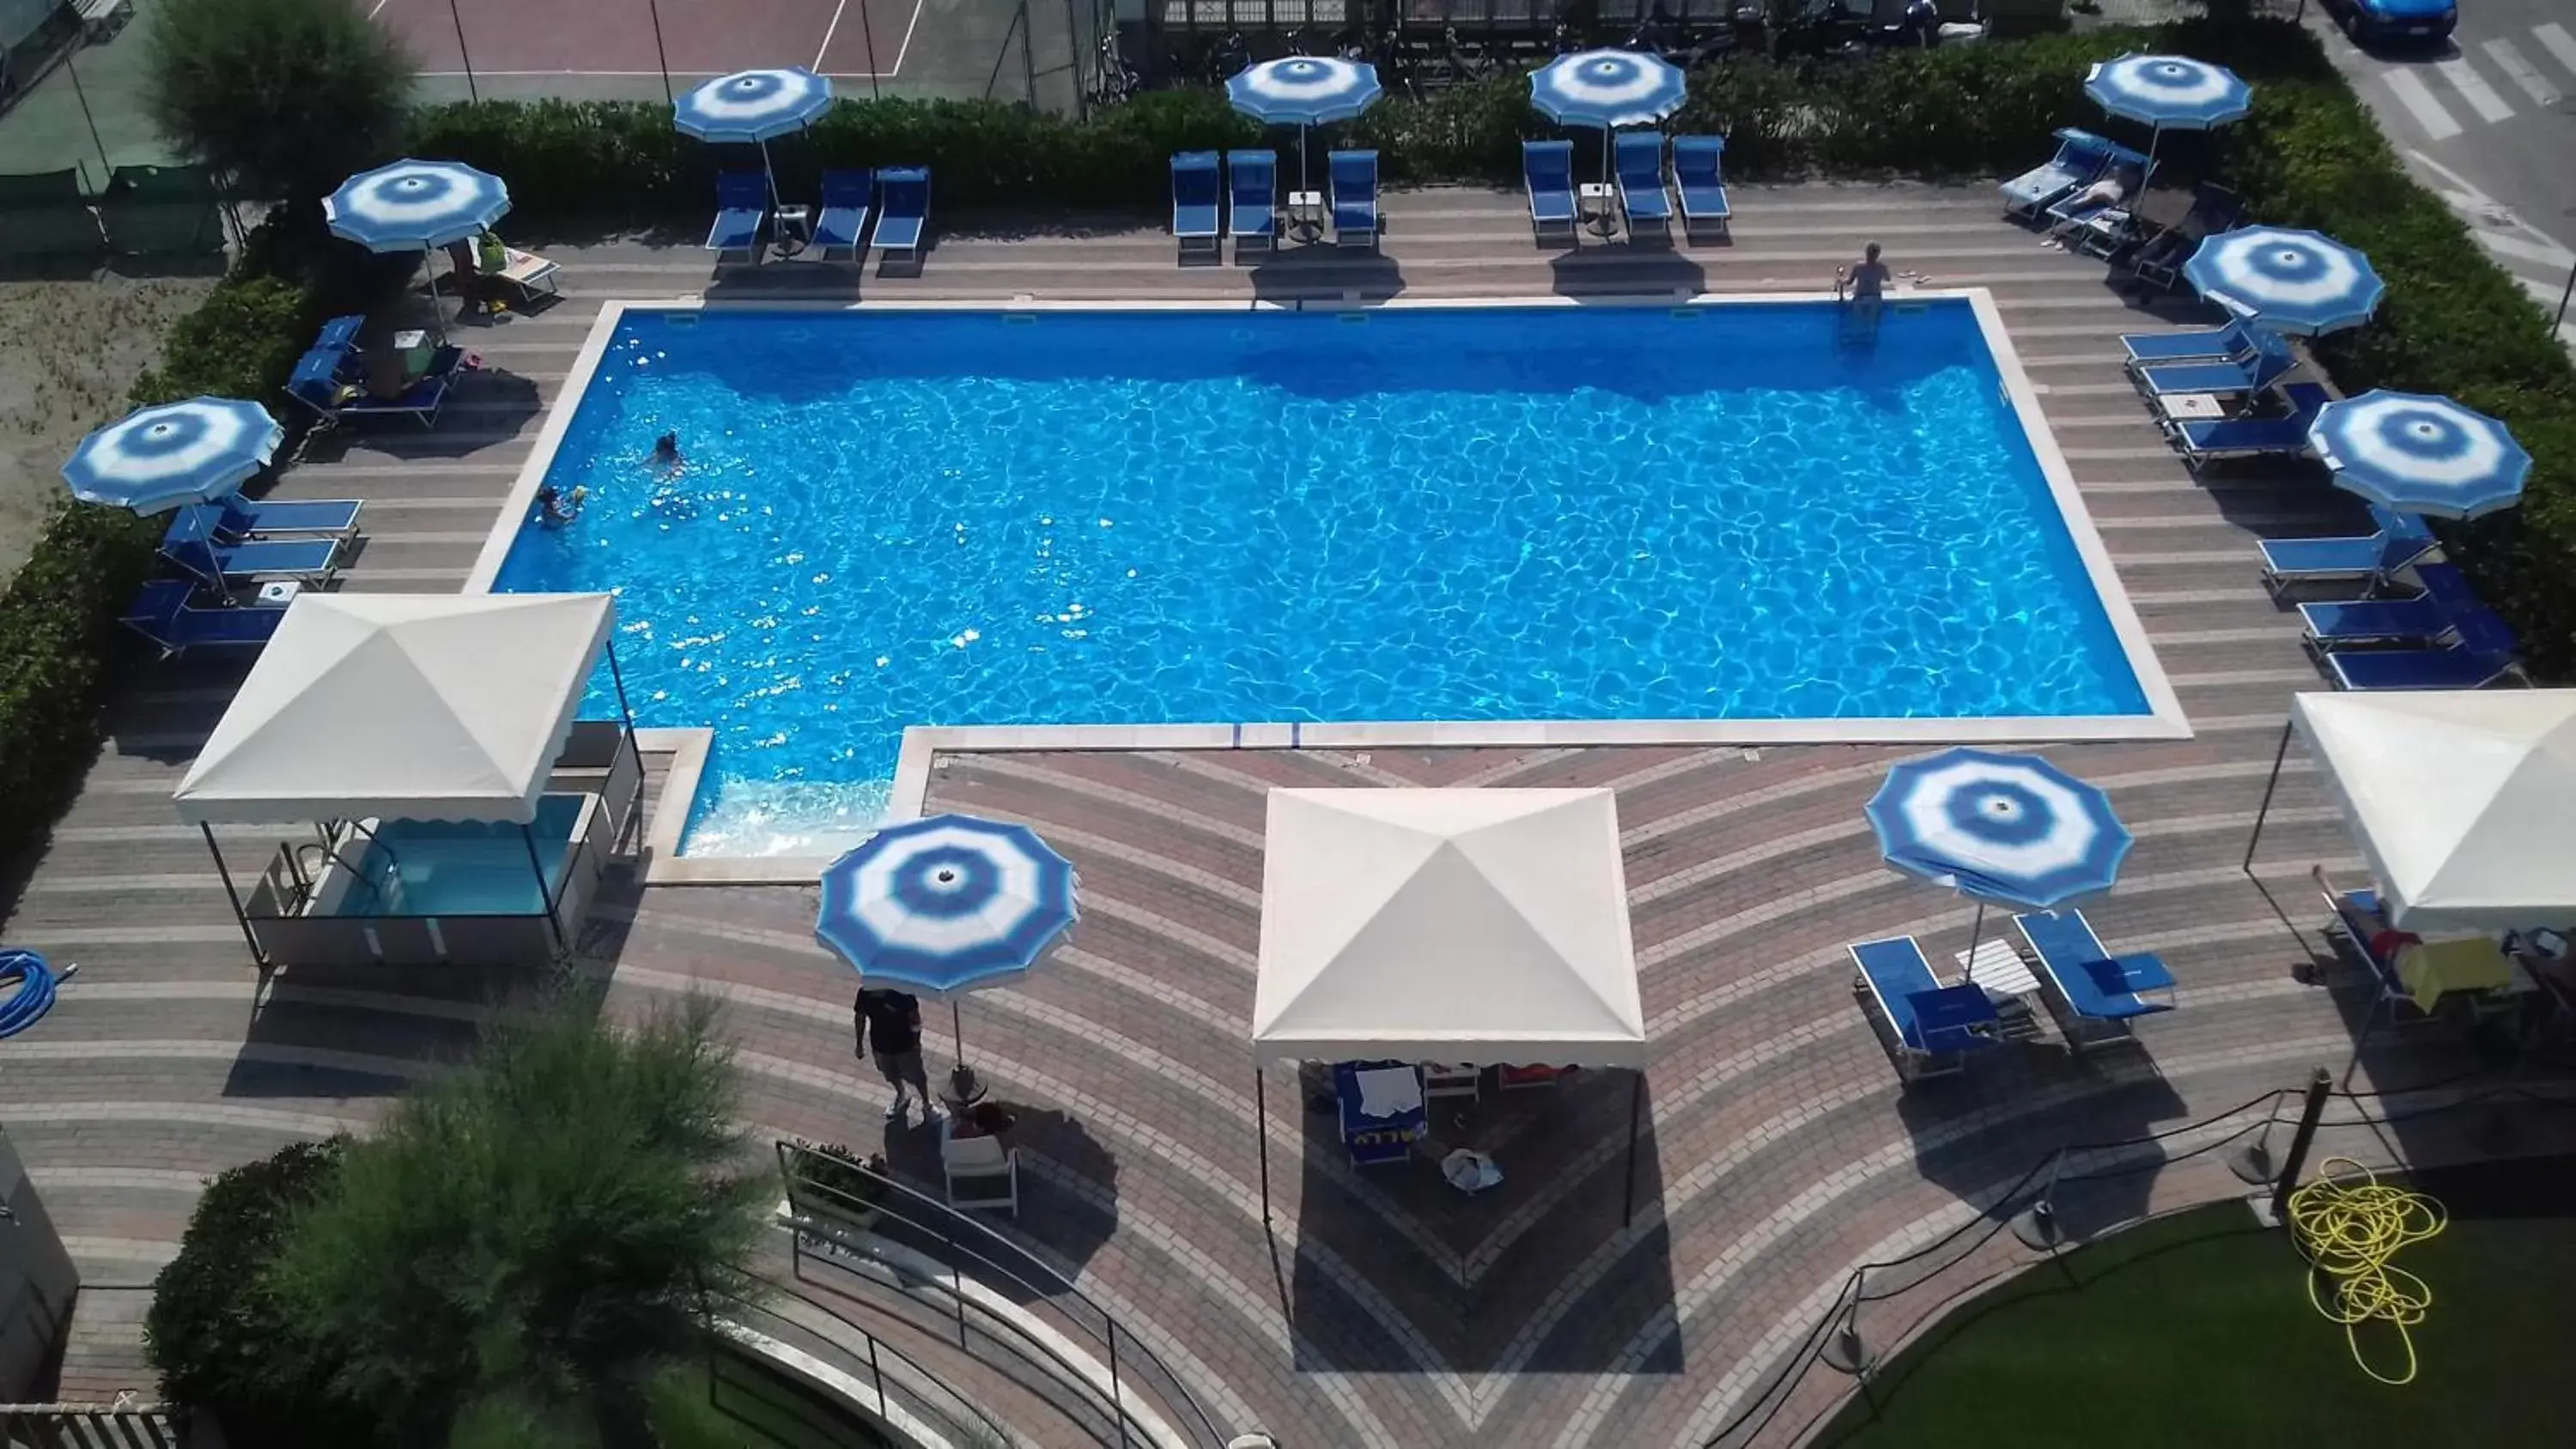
[[554, 510], [666, 452], [1868, 282]]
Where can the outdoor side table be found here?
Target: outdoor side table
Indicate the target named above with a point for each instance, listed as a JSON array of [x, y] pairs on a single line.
[[1306, 214], [2192, 407], [1598, 202]]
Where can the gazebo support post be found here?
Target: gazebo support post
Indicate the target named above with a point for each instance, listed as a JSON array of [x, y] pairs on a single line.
[[1261, 1132], [528, 837], [1636, 1114], [626, 715], [241, 917], [2288, 726]]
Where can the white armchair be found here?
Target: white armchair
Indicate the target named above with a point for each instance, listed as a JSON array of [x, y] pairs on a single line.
[[990, 1170]]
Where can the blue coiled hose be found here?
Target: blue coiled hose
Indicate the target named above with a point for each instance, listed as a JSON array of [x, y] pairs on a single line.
[[35, 993]]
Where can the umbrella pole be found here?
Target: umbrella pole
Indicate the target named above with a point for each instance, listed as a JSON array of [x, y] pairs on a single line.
[[1976, 934], [2270, 785], [1302, 183], [1261, 1133], [962, 1085], [769, 171], [437, 316]]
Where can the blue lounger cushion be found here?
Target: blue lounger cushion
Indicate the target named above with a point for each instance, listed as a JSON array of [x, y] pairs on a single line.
[[2081, 156], [2374, 621], [842, 225], [2269, 363], [341, 331], [164, 612], [2483, 654], [1252, 191], [742, 203], [1197, 196], [1639, 159], [1926, 1016], [2094, 982], [192, 544], [240, 517], [2238, 436], [1353, 177], [2402, 539], [1699, 173], [903, 208], [2199, 344], [1547, 176]]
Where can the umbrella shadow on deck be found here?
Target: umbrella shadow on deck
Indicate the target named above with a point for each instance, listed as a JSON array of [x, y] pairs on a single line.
[[1323, 272], [1068, 1202], [1397, 1271]]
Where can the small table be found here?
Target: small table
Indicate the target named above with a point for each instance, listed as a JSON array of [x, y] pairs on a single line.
[[1998, 969], [280, 592], [1597, 202], [1305, 214], [2192, 407], [792, 230]]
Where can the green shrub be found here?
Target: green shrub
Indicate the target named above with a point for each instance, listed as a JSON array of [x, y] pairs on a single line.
[[218, 1334], [290, 95], [242, 341]]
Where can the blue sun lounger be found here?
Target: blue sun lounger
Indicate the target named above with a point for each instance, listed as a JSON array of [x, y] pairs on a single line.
[[2270, 361], [192, 545], [2401, 539], [1353, 177], [2483, 654], [2081, 156], [1198, 201], [341, 331], [2100, 994], [1252, 194], [2247, 437], [1931, 1025], [842, 225], [239, 517], [329, 381], [742, 204], [2423, 620], [903, 210], [2201, 344], [1699, 173], [1638, 158], [164, 612], [1547, 176]]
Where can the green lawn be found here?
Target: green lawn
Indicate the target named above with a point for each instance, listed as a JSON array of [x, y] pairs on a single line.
[[2197, 1331]]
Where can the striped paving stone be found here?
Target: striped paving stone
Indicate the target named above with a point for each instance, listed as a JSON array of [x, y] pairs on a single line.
[[1393, 1313]]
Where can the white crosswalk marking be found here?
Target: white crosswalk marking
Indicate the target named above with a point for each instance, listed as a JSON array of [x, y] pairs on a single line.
[[2548, 255], [2522, 72], [2473, 88], [2417, 98], [2556, 40]]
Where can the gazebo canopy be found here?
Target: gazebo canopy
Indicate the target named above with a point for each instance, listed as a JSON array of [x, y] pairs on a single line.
[[2460, 800], [1484, 926], [407, 706]]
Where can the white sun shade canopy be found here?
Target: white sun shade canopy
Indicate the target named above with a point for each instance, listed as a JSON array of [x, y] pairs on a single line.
[[2461, 800], [402, 706], [1486, 926]]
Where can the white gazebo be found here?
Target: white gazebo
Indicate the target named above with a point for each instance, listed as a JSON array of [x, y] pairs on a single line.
[[2460, 800], [414, 707], [1486, 926]]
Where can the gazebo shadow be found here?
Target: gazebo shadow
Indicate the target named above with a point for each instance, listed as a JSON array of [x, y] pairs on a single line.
[[1535, 1274]]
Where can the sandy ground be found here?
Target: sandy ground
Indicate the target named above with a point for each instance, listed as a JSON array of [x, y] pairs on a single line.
[[68, 352]]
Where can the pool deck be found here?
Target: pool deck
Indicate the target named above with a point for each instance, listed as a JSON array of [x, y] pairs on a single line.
[[1383, 1310]]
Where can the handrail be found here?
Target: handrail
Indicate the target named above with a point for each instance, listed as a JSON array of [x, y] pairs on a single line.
[[940, 1219], [878, 1351]]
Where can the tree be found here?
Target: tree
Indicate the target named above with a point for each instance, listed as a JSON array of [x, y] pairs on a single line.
[[291, 96], [219, 1337], [537, 1233]]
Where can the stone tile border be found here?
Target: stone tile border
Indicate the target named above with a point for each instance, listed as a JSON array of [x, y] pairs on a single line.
[[2164, 719]]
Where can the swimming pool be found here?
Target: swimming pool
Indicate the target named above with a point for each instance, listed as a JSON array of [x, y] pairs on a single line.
[[900, 517]]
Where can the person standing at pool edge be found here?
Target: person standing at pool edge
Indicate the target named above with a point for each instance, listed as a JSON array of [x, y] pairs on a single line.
[[890, 1021], [1868, 283]]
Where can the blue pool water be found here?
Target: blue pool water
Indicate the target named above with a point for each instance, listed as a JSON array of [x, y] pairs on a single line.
[[1555, 513], [463, 868]]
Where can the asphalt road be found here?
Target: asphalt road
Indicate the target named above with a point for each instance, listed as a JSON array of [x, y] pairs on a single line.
[[2489, 122]]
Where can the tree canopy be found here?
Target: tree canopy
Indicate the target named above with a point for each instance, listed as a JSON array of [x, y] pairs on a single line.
[[291, 96]]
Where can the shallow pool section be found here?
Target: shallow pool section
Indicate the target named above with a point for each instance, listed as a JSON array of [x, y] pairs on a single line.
[[889, 518], [462, 868]]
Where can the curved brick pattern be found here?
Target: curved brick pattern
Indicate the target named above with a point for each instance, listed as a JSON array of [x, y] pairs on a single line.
[[1373, 1309]]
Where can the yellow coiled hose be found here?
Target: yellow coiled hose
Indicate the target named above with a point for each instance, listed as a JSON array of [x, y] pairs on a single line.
[[2349, 1225]]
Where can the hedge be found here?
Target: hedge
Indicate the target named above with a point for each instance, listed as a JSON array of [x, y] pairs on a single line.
[[59, 637]]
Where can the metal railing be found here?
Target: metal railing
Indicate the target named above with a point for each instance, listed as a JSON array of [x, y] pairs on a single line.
[[970, 1250], [90, 1426], [899, 1387]]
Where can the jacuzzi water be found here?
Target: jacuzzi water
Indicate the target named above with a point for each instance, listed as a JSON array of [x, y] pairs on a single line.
[[462, 867], [895, 518]]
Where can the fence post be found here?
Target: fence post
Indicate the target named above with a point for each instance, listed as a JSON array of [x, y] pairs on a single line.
[[1844, 1351], [1117, 1393], [2037, 1227], [2318, 1085], [956, 1285], [876, 1376], [2253, 1164]]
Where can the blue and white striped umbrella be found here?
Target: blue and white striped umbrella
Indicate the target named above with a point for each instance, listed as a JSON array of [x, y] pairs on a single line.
[[2169, 92], [753, 105], [183, 452], [2287, 280], [1607, 88], [1303, 90], [943, 904], [2420, 454], [2011, 829], [416, 205]]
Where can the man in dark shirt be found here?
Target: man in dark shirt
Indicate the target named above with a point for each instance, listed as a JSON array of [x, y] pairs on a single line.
[[892, 1020]]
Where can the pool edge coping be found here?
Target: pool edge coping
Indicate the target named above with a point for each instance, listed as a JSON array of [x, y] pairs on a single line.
[[2164, 719]]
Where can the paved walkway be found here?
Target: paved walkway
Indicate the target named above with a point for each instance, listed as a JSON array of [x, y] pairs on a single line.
[[1376, 1311]]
